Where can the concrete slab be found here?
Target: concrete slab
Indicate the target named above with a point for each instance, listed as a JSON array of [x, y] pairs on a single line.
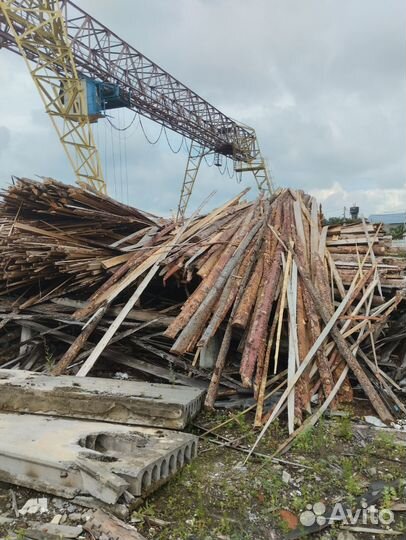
[[110, 400], [70, 458], [50, 531], [104, 525]]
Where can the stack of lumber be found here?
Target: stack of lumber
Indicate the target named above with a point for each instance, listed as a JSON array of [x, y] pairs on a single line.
[[355, 237], [347, 243], [54, 236], [259, 282], [390, 347]]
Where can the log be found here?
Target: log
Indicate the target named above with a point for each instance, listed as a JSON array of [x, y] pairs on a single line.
[[192, 331], [344, 349], [76, 347], [192, 304], [256, 339]]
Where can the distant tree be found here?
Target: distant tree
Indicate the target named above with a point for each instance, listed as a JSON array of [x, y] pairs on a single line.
[[339, 221], [398, 232]]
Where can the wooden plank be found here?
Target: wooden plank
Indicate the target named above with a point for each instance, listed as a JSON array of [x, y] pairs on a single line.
[[358, 240], [293, 354], [102, 344]]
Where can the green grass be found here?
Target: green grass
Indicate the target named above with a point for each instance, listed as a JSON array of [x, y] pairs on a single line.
[[343, 427], [215, 496]]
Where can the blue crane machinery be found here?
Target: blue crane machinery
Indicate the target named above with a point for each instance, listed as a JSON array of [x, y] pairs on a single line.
[[82, 69]]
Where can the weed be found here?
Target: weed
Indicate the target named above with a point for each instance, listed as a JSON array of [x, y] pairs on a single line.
[[388, 497], [351, 482], [20, 534], [385, 444], [297, 504], [401, 525], [311, 493], [148, 510], [276, 431], [314, 440], [225, 525], [240, 536], [343, 428], [245, 428], [282, 525], [273, 489], [211, 498], [386, 441]]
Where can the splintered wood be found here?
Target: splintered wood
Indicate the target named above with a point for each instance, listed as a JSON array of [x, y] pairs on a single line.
[[293, 311]]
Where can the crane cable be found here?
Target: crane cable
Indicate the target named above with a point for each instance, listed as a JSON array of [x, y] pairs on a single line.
[[119, 128], [126, 172], [106, 162], [146, 136], [119, 131], [126, 128], [123, 155], [206, 160], [226, 167], [169, 144]]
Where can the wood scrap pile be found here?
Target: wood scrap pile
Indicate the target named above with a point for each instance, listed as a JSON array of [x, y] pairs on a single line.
[[347, 244], [57, 236], [261, 283], [391, 347], [350, 238]]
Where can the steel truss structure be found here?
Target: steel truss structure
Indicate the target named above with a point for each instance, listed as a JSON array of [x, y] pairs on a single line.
[[90, 49], [39, 32]]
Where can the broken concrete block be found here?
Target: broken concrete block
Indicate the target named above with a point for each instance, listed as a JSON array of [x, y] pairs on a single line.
[[51, 531], [4, 520], [119, 510], [69, 458], [119, 401], [103, 524], [374, 421], [286, 477], [34, 506]]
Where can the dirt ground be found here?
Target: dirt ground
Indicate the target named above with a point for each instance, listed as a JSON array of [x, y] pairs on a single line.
[[219, 497]]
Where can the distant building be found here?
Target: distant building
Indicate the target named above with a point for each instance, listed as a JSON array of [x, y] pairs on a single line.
[[389, 220], [354, 212]]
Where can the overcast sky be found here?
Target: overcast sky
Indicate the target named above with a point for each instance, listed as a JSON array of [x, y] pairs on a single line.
[[322, 82]]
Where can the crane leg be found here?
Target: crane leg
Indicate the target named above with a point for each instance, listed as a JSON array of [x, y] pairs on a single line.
[[262, 177], [39, 26], [196, 153], [256, 165]]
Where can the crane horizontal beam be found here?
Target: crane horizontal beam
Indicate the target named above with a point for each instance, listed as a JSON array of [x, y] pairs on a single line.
[[100, 54]]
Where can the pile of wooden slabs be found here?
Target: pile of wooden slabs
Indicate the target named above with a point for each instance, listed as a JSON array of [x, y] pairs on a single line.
[[282, 303]]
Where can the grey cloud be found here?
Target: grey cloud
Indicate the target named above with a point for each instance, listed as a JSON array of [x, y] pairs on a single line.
[[4, 139], [323, 83]]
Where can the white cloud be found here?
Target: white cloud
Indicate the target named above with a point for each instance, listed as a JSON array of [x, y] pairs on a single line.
[[335, 198]]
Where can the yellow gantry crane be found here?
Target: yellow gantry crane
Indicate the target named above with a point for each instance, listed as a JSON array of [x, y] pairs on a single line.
[[82, 69], [39, 30]]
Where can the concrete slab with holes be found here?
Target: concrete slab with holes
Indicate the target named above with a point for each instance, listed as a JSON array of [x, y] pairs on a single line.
[[68, 457], [95, 398]]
